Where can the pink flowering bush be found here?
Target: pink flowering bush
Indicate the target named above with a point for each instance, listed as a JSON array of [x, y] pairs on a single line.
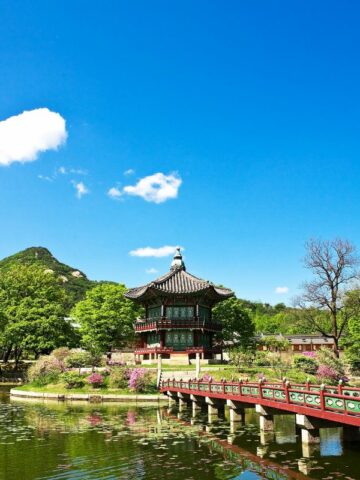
[[310, 354], [206, 378], [96, 380], [137, 380], [326, 374], [140, 380]]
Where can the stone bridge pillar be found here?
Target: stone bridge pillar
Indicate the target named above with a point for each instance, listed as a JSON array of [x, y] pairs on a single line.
[[197, 401], [310, 429], [266, 418], [183, 401], [236, 411], [216, 407]]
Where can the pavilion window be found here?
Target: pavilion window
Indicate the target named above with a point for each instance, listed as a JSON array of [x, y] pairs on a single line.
[[179, 339], [180, 312], [153, 340], [154, 312], [204, 313]]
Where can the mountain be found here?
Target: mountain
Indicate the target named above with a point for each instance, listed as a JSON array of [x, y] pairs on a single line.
[[75, 282]]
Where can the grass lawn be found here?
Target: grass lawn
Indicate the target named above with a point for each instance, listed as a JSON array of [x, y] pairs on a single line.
[[60, 388]]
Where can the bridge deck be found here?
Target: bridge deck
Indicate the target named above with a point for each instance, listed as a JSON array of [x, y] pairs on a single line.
[[337, 404]]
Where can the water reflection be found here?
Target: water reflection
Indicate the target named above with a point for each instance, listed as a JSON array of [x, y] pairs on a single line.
[[68, 441]]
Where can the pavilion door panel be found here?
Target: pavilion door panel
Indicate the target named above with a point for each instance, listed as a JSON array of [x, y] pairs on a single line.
[[179, 339], [180, 312]]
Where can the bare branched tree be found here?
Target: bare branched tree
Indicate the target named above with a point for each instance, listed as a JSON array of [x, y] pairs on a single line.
[[334, 265]]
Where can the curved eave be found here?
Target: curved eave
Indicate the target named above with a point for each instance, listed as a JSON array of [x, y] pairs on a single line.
[[142, 294]]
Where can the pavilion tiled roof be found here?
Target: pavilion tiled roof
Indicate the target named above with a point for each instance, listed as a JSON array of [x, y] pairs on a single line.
[[179, 281]]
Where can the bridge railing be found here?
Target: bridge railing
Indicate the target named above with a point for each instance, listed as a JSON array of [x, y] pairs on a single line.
[[338, 399]]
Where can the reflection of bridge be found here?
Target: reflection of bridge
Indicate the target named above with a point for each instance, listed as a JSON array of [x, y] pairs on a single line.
[[315, 406], [264, 468]]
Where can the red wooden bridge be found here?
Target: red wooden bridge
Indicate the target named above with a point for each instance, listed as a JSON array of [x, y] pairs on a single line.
[[340, 404]]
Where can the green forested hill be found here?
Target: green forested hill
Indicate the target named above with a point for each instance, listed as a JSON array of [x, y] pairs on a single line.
[[74, 281]]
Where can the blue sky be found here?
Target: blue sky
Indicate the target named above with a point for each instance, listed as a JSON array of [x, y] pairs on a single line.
[[248, 110]]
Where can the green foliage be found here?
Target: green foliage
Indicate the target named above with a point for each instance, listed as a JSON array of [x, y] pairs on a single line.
[[119, 377], [72, 280], [45, 370], [352, 340], [73, 380], [83, 359], [236, 321], [305, 364], [61, 353], [297, 376], [240, 357], [262, 359], [32, 310], [274, 343], [327, 357], [106, 317]]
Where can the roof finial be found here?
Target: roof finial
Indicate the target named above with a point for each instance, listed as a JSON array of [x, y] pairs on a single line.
[[178, 262]]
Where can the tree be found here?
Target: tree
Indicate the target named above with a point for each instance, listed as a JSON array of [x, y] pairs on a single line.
[[334, 268], [352, 340], [32, 311], [237, 324], [106, 317]]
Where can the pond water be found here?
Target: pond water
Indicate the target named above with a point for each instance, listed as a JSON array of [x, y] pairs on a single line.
[[89, 441]]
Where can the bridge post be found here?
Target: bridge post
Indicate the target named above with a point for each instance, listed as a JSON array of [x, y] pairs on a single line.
[[237, 413], [310, 431], [215, 407], [266, 418], [196, 404], [183, 401], [172, 397]]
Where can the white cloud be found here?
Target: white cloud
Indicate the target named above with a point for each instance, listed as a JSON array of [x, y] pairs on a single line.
[[155, 188], [130, 171], [151, 270], [281, 290], [75, 171], [164, 251], [46, 178], [114, 193], [24, 136], [78, 171], [81, 189]]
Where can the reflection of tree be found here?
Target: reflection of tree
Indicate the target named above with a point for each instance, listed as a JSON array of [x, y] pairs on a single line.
[[138, 442]]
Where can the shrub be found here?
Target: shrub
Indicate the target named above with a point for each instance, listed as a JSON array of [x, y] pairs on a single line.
[[119, 377], [305, 364], [297, 376], [328, 358], [61, 353], [262, 359], [83, 359], [45, 370], [96, 380], [73, 380], [326, 374], [352, 355], [240, 357], [140, 380]]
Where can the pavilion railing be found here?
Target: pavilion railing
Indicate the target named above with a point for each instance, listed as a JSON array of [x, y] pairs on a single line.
[[177, 323], [339, 399], [146, 350]]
